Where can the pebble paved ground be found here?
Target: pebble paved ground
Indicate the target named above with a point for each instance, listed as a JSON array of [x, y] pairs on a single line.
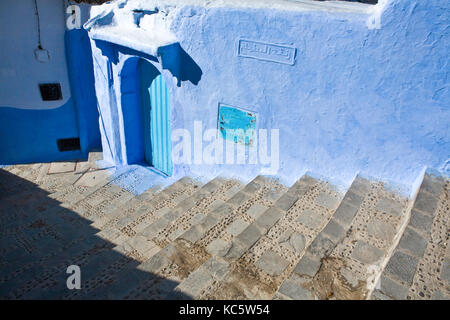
[[219, 240]]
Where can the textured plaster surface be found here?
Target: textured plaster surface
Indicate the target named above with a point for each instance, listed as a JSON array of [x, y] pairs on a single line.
[[29, 126], [368, 91]]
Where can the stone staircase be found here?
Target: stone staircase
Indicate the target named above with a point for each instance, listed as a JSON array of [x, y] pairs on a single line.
[[219, 240]]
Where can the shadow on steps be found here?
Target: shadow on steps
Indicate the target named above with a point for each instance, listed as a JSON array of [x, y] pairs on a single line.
[[40, 239]]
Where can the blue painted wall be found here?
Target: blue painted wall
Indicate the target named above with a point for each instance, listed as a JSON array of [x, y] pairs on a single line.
[[29, 126], [375, 101], [356, 99], [131, 100], [81, 75], [28, 136]]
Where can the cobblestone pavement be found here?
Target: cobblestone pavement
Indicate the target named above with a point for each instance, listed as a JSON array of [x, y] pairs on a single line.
[[219, 240]]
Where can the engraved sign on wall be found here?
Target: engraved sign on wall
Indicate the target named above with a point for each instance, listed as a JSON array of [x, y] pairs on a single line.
[[266, 51]]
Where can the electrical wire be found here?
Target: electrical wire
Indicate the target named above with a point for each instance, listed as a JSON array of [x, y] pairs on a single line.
[[36, 11]]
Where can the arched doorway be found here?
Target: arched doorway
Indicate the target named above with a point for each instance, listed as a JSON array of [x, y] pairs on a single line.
[[146, 115]]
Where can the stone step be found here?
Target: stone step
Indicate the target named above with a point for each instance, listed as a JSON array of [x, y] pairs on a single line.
[[12, 187], [86, 183], [7, 168], [50, 176], [153, 199], [19, 209], [51, 239], [104, 235], [175, 191], [77, 250], [93, 157], [95, 268], [175, 261], [309, 263], [91, 267], [114, 226], [21, 171], [90, 185], [50, 218], [58, 176], [219, 240], [128, 209], [142, 246], [90, 178], [101, 272], [264, 253], [173, 222], [345, 258], [104, 198], [254, 198], [20, 218], [419, 267], [47, 230], [39, 278], [63, 177], [264, 193], [114, 281], [58, 234], [132, 224], [28, 172]]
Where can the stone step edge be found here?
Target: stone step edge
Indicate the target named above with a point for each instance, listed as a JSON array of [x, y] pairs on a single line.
[[168, 218], [179, 185], [110, 239], [127, 246], [162, 258], [119, 246], [113, 240], [332, 233], [57, 194], [195, 233], [386, 286], [217, 266], [91, 190], [139, 200], [146, 198]]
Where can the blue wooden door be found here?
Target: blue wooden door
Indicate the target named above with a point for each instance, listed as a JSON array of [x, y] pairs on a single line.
[[156, 120]]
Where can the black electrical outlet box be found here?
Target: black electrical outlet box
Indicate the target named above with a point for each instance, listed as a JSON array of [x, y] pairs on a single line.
[[50, 91], [70, 144]]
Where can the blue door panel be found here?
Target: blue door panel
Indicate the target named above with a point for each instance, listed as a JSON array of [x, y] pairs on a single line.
[[160, 125], [155, 107]]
